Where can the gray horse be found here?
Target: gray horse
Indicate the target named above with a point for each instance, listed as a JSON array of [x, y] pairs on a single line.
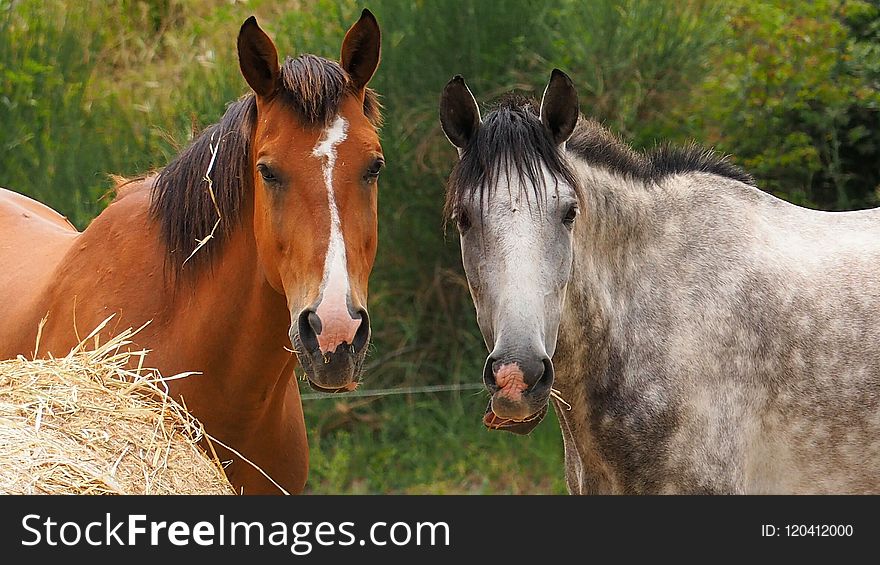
[[705, 336]]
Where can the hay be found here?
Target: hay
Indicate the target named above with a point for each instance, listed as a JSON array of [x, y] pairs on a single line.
[[86, 424]]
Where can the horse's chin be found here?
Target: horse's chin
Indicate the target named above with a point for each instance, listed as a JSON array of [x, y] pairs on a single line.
[[521, 427]]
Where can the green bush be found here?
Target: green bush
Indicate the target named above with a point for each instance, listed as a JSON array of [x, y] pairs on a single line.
[[793, 96]]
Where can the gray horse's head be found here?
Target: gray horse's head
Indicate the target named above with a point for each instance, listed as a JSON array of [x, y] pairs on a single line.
[[515, 201]]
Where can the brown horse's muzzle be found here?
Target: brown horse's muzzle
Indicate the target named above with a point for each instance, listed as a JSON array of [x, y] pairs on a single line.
[[332, 356]]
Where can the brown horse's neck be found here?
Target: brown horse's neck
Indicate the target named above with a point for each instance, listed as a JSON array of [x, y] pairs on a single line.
[[224, 322], [236, 324]]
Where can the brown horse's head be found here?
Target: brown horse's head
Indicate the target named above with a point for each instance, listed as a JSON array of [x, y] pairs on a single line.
[[316, 159]]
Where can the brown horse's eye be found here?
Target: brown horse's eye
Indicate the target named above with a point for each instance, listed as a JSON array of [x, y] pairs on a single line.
[[374, 170], [266, 173]]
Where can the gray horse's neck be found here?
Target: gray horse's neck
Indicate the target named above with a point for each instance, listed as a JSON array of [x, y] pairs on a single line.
[[630, 246], [614, 222], [617, 218]]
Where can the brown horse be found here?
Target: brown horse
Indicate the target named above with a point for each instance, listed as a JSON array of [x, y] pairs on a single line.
[[260, 235]]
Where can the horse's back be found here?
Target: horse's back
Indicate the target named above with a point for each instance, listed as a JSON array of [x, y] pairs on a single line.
[[822, 418], [35, 239], [18, 207], [789, 316]]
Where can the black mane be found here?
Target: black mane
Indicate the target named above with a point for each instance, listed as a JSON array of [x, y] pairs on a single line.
[[512, 138], [180, 199], [598, 146]]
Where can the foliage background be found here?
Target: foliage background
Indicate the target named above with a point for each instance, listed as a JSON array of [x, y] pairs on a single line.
[[790, 89]]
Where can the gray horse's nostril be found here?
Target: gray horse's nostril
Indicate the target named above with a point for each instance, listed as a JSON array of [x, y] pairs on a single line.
[[546, 379], [535, 372], [532, 368], [489, 370]]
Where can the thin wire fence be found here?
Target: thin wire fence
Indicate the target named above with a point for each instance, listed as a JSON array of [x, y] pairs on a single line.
[[393, 391]]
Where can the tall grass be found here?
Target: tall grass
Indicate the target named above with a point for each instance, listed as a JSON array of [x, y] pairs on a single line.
[[91, 88], [48, 125], [426, 445]]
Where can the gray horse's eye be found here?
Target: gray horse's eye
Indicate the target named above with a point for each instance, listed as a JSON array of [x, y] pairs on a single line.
[[570, 216], [462, 220]]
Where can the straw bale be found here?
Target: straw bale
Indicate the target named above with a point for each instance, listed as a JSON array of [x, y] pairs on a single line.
[[88, 424]]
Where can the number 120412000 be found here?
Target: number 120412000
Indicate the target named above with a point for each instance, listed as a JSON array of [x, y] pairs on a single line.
[[808, 530]]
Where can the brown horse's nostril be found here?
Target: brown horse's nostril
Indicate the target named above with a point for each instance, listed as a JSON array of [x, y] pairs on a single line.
[[314, 322], [308, 326], [311, 326], [362, 336]]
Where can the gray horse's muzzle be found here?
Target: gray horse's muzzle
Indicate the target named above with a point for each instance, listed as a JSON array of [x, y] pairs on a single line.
[[520, 386]]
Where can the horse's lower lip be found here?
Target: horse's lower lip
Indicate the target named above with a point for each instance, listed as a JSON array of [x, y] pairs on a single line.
[[522, 427], [333, 390]]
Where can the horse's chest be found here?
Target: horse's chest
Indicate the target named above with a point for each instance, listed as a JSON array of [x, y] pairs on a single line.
[[639, 433], [632, 431]]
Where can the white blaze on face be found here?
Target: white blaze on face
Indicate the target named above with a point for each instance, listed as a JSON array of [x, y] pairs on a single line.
[[337, 326]]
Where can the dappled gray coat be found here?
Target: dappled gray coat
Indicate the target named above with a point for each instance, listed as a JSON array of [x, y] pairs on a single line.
[[705, 336]]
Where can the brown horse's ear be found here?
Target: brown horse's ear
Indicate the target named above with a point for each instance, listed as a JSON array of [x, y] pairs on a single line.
[[459, 113], [258, 59], [361, 50], [559, 107]]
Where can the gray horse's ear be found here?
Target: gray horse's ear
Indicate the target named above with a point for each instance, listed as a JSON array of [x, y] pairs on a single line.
[[559, 107], [459, 113], [258, 59]]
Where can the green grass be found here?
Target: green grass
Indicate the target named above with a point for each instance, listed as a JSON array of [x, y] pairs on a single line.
[[427, 444]]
